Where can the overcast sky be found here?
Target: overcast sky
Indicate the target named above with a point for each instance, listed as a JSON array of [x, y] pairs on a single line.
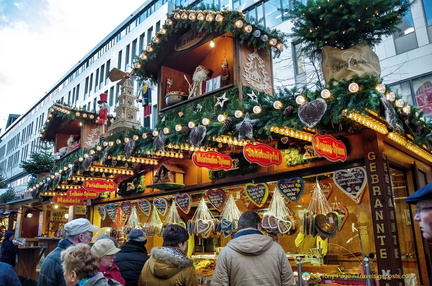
[[40, 40]]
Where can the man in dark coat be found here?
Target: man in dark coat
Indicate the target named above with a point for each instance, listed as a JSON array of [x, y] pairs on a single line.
[[77, 231], [9, 249], [132, 257]]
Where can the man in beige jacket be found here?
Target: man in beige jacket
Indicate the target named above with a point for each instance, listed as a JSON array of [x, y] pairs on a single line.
[[251, 258]]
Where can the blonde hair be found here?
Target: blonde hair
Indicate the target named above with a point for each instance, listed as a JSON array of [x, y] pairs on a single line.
[[81, 259]]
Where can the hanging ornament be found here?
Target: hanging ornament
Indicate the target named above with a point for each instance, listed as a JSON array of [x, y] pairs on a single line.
[[173, 216], [197, 135], [111, 210], [199, 107], [221, 100], [184, 130], [311, 113], [389, 114], [277, 104], [129, 148], [288, 110], [353, 87], [228, 124], [229, 217], [245, 128], [159, 143], [87, 163]]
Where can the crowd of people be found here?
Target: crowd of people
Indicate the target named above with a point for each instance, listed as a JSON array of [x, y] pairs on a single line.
[[249, 258]]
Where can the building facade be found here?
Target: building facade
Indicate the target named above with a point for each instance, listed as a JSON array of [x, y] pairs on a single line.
[[405, 57]]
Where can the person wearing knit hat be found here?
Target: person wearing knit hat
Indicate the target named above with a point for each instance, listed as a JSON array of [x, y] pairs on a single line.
[[9, 249], [132, 256], [77, 231], [106, 250]]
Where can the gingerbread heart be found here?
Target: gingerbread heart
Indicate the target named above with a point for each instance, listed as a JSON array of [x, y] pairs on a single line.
[[225, 224], [311, 112], [343, 213], [102, 212], [273, 222], [284, 226], [202, 226], [217, 198], [352, 182], [257, 193], [265, 221], [161, 205], [144, 206], [111, 211], [190, 227], [327, 225], [292, 188], [126, 208], [184, 202]]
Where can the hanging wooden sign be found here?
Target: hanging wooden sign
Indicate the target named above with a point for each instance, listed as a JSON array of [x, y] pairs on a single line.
[[161, 205], [212, 160], [257, 193], [329, 147], [217, 198], [292, 188], [145, 206], [81, 194], [189, 39], [262, 154], [352, 182], [184, 202], [99, 186], [66, 201]]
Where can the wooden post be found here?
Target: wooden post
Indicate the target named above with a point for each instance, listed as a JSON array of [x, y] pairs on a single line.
[[382, 209]]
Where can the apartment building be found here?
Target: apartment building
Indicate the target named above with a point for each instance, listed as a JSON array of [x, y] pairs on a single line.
[[406, 64]]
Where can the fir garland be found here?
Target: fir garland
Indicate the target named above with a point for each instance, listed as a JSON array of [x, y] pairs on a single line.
[[211, 22]]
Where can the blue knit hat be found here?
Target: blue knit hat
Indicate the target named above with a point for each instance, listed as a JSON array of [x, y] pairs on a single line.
[[8, 234]]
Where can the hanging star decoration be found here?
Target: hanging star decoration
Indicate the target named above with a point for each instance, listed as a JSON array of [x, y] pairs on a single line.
[[245, 128], [253, 96], [199, 107], [221, 100]]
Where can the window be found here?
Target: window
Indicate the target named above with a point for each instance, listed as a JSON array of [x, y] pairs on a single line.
[[149, 35], [127, 59], [141, 42], [97, 79], [427, 7], [102, 75], [406, 40], [111, 96], [119, 61], [273, 13], [416, 91], [86, 86], [108, 68], [298, 59]]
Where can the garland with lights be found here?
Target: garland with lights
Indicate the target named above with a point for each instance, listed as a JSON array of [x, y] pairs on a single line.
[[344, 23], [221, 22], [64, 111], [352, 104]]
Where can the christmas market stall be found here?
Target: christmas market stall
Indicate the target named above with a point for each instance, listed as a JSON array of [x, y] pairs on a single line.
[[327, 169]]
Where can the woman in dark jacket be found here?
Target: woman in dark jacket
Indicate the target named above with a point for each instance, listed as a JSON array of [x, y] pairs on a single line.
[[132, 257], [9, 249]]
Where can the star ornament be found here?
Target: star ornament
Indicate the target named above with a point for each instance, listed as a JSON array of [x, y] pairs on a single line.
[[245, 128], [221, 100], [253, 96]]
